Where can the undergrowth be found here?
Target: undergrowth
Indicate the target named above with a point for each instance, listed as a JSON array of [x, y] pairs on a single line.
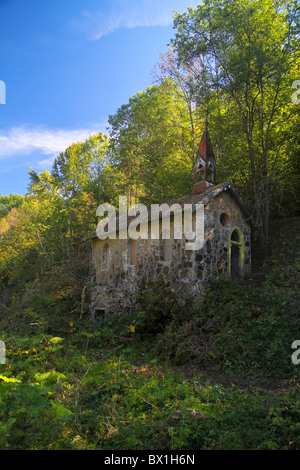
[[238, 329], [72, 391], [191, 384], [55, 393]]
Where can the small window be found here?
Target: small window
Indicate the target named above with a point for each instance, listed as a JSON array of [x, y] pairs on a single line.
[[167, 249], [166, 245], [225, 219], [105, 255], [99, 313], [131, 252]]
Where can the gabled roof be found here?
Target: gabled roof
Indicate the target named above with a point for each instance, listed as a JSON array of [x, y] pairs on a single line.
[[212, 192], [203, 198]]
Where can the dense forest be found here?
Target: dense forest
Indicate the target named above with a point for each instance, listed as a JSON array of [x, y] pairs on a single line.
[[231, 64]]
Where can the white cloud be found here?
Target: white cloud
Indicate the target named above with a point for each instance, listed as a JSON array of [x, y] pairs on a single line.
[[129, 14], [22, 141]]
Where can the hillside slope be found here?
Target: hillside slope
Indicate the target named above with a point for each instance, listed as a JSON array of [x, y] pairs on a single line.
[[217, 375], [245, 329]]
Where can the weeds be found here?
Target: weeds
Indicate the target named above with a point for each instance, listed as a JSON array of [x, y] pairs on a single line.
[[54, 397], [69, 391]]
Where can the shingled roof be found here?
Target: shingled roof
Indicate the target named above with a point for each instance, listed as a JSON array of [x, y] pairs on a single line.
[[203, 198]]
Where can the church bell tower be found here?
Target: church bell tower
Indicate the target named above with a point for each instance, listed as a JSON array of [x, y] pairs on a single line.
[[205, 165]]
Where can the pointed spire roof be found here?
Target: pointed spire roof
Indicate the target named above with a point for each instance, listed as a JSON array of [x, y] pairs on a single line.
[[205, 164], [205, 156]]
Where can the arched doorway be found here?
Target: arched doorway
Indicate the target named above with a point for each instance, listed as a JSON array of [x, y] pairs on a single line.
[[236, 254]]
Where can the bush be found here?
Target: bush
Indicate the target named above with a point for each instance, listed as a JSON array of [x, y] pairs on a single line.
[[237, 329], [30, 420]]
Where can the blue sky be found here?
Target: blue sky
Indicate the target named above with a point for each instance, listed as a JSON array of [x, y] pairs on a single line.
[[67, 65]]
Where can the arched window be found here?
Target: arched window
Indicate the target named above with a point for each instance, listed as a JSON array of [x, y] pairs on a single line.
[[236, 236]]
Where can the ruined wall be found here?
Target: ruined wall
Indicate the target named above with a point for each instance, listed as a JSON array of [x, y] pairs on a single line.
[[115, 281]]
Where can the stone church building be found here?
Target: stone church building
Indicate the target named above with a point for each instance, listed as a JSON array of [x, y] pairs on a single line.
[[120, 267]]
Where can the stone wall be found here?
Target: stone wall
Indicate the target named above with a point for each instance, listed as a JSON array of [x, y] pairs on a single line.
[[115, 282]]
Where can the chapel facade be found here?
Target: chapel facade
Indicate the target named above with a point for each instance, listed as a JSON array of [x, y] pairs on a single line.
[[120, 267]]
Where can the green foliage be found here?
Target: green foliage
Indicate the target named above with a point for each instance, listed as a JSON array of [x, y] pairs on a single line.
[[157, 308], [249, 52], [152, 410], [281, 265], [32, 414], [253, 330], [150, 146], [66, 393], [61, 386], [235, 329], [7, 203]]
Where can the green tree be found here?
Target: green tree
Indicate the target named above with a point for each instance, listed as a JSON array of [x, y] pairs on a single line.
[[150, 146], [180, 80], [74, 189], [9, 202], [251, 50]]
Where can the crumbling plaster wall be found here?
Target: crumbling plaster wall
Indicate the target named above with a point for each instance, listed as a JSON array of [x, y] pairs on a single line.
[[114, 286]]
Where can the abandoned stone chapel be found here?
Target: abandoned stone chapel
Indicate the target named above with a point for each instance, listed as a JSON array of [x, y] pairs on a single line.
[[120, 267]]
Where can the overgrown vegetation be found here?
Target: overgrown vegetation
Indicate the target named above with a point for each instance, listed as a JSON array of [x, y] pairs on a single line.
[[216, 373], [68, 393], [217, 376]]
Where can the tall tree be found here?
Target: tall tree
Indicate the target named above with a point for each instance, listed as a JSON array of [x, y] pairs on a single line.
[[77, 172], [251, 50], [74, 189], [151, 146], [181, 80]]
